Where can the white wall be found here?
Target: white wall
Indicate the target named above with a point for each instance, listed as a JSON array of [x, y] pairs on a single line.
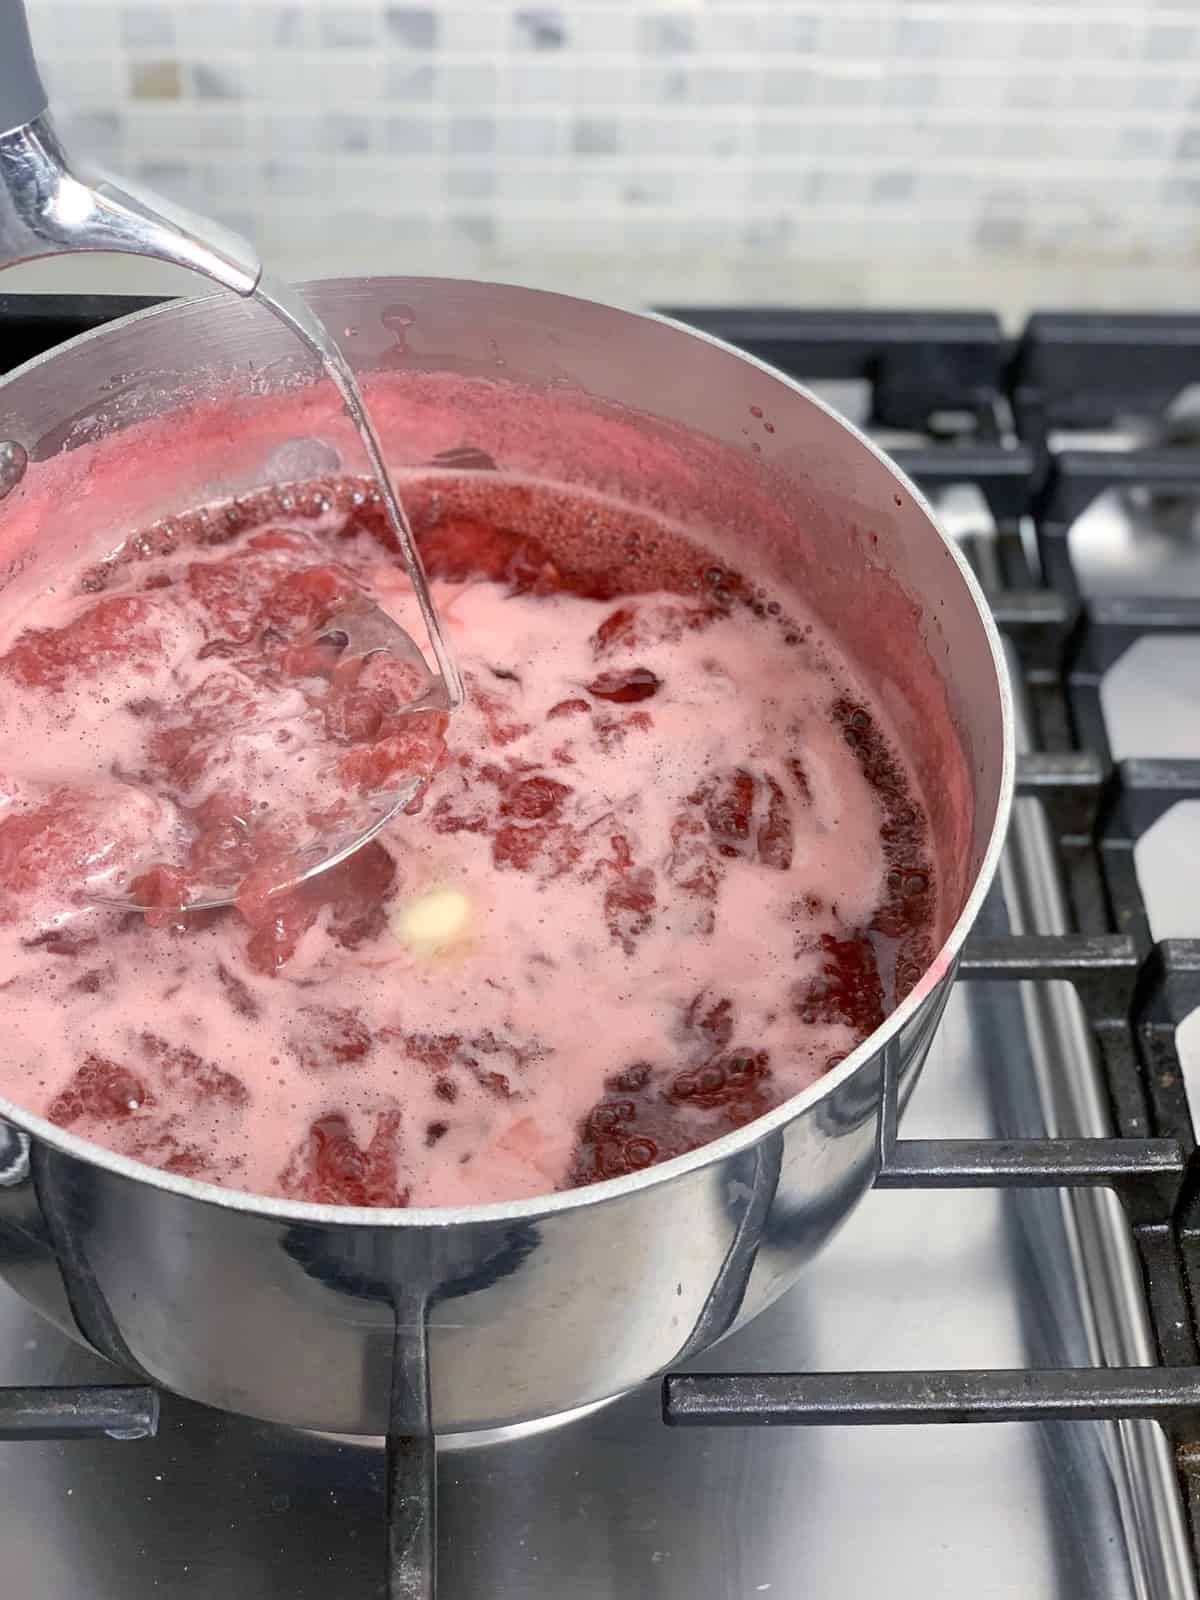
[[971, 152]]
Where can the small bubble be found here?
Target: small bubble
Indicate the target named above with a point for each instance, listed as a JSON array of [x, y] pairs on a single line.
[[640, 1152]]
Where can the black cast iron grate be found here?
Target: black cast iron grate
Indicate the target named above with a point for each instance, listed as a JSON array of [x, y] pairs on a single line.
[[953, 379], [1065, 371]]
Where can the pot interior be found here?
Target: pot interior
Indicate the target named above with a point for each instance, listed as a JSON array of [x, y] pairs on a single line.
[[208, 399]]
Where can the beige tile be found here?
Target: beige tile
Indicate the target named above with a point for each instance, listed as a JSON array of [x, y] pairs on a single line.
[[155, 80]]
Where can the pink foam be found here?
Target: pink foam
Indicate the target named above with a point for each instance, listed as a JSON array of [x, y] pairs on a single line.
[[564, 976]]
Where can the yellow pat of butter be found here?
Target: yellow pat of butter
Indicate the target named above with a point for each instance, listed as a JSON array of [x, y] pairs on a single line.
[[433, 920]]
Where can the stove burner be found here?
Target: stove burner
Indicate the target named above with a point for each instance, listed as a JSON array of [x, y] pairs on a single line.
[[989, 414]]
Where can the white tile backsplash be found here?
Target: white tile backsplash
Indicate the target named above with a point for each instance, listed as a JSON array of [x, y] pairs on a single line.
[[684, 149]]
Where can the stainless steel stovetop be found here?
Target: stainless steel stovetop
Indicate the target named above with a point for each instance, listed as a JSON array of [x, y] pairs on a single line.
[[615, 1504]]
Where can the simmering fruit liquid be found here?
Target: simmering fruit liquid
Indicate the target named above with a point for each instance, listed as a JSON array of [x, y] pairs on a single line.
[[668, 866]]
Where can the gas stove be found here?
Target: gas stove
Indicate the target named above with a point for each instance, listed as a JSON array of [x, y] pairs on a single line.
[[1030, 1255]]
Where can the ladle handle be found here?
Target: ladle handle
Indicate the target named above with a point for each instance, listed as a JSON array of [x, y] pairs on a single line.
[[22, 96]]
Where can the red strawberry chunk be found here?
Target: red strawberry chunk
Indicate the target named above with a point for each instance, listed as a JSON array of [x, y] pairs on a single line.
[[479, 1056], [909, 899], [353, 715], [76, 843], [710, 1021], [230, 592], [164, 892], [278, 926], [327, 1038], [547, 848], [913, 958], [113, 632], [534, 799], [629, 904], [728, 1083], [100, 1089], [632, 627], [459, 814], [693, 867], [306, 598], [221, 853], [355, 892], [775, 840], [748, 816], [57, 842], [728, 808], [503, 726], [415, 748], [617, 631], [847, 990], [638, 1122], [459, 548], [282, 539], [332, 1168], [364, 693], [569, 708], [624, 688], [182, 1070], [437, 1051]]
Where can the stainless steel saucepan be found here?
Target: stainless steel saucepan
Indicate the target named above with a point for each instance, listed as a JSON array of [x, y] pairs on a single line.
[[322, 1316]]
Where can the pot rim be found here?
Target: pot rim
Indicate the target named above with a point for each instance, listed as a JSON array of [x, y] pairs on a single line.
[[535, 1208]]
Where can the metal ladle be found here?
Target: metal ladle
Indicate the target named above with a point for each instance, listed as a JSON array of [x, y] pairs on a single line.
[[354, 632], [48, 207]]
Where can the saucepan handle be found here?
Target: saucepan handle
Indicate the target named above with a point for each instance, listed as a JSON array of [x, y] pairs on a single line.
[[22, 97]]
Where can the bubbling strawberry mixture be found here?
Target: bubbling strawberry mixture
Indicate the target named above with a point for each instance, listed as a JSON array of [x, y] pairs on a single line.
[[665, 869]]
